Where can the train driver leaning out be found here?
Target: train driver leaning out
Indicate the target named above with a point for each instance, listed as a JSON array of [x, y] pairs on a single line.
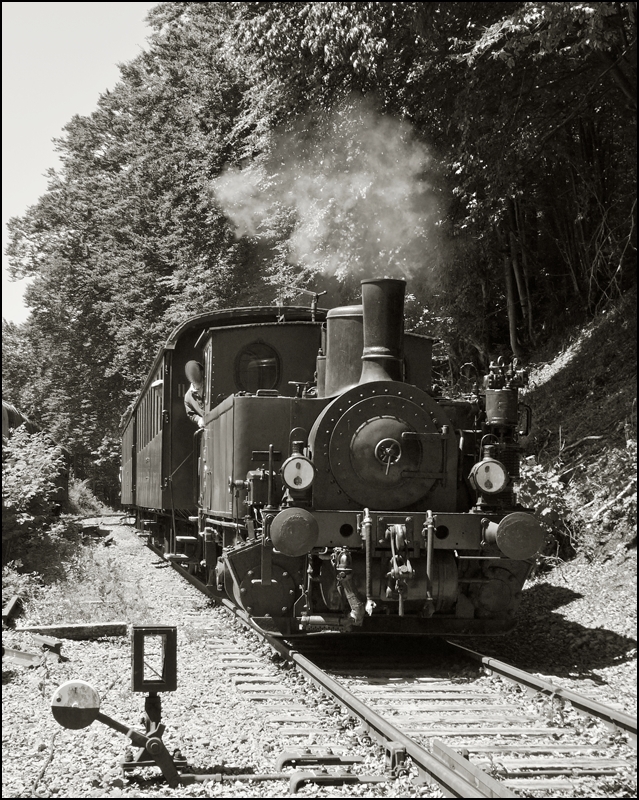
[[194, 398]]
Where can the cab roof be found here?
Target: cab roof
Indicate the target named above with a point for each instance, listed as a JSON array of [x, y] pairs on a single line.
[[251, 315]]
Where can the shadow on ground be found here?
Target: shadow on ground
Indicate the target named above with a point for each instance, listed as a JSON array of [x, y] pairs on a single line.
[[545, 641]]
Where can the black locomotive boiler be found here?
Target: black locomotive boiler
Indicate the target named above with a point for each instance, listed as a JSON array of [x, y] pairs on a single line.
[[329, 487]]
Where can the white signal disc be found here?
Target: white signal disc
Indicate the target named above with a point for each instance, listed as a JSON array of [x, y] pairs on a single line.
[[298, 472], [490, 476]]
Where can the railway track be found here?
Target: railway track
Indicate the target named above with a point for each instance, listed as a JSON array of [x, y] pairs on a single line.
[[506, 732], [474, 726]]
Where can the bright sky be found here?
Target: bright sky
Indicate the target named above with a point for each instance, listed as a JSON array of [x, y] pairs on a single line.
[[57, 58]]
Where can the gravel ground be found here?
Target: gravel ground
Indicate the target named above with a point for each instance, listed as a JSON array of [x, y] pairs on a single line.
[[209, 717], [577, 625]]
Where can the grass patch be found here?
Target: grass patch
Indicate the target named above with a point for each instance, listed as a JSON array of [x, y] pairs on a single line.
[[92, 591], [82, 500], [65, 577]]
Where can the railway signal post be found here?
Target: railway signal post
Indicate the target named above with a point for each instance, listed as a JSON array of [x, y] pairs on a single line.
[[76, 704]]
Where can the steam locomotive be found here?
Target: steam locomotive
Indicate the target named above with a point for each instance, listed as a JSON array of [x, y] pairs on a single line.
[[330, 488]]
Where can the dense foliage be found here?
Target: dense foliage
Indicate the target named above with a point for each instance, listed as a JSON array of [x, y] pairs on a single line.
[[32, 470], [486, 150]]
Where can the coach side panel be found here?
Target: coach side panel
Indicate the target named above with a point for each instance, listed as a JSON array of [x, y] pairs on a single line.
[[149, 431], [127, 482]]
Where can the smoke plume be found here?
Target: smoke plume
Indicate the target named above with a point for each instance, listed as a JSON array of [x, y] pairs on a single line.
[[354, 195]]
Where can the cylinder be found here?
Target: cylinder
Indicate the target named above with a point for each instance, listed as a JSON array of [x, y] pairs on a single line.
[[501, 407], [344, 342], [383, 351]]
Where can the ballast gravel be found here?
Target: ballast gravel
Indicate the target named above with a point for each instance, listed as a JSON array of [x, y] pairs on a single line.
[[577, 626], [210, 718]]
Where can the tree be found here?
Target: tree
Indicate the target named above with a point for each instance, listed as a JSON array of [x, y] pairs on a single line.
[[125, 243], [497, 91], [556, 150], [31, 469], [486, 149]]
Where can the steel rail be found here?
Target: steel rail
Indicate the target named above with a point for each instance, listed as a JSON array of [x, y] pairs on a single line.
[[619, 719], [455, 779], [455, 776], [447, 777]]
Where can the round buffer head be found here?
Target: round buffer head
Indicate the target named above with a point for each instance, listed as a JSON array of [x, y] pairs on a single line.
[[520, 536], [294, 532]]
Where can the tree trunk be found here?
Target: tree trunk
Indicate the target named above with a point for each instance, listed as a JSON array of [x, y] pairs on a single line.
[[513, 241], [511, 303], [524, 268], [519, 280], [511, 299]]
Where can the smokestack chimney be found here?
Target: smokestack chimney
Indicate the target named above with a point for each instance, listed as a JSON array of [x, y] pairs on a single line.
[[382, 357]]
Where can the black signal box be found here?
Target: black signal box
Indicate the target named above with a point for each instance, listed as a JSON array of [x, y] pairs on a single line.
[[153, 658]]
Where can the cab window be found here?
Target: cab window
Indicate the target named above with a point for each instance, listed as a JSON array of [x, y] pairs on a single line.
[[257, 366]]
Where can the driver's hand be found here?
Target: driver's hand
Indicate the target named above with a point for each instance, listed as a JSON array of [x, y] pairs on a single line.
[[200, 423]]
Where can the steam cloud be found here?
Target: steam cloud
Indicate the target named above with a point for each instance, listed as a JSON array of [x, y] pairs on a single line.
[[356, 196]]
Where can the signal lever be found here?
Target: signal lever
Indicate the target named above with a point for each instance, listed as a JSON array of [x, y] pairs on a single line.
[[76, 704]]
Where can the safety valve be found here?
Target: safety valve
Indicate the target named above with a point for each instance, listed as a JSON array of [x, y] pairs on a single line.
[[298, 472], [489, 476]]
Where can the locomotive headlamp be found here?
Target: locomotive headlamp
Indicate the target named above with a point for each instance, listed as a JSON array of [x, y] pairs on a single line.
[[489, 476], [298, 473]]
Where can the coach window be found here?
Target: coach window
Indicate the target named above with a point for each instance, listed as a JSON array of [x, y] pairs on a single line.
[[257, 366]]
